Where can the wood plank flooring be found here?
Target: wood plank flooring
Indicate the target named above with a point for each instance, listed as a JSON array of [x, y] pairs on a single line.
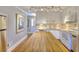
[[41, 42]]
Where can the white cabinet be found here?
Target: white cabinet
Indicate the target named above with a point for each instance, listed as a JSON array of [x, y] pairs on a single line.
[[56, 33], [65, 37]]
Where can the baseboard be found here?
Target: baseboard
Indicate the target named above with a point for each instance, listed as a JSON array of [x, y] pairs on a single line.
[[14, 46]]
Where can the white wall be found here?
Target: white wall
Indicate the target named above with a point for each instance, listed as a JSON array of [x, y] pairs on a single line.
[[12, 37], [49, 17]]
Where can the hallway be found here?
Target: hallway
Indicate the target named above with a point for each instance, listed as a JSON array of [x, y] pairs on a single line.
[[41, 41]]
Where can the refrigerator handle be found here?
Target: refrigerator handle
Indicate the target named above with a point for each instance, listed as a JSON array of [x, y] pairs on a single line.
[[2, 29]]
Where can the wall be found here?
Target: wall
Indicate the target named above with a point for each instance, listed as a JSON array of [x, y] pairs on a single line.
[[12, 37], [49, 17]]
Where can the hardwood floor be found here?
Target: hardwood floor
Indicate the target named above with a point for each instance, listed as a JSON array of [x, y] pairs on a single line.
[[41, 42]]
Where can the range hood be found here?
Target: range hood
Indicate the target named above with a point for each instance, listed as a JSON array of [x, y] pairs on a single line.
[[71, 18], [70, 21]]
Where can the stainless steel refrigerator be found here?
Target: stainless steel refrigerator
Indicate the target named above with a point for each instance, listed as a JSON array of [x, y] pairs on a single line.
[[2, 33]]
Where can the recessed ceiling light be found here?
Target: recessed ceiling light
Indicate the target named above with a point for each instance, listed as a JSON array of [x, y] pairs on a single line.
[[42, 9]]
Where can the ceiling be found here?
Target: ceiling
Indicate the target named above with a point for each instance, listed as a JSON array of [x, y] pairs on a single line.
[[50, 12], [48, 8]]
